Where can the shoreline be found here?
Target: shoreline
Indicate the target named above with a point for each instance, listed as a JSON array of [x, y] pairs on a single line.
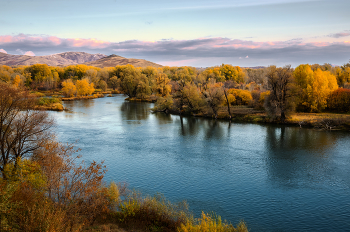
[[241, 114]]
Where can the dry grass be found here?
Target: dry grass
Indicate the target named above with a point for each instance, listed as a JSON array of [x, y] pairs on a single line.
[[82, 97], [313, 117]]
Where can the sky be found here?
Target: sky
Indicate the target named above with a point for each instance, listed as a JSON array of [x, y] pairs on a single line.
[[198, 33]]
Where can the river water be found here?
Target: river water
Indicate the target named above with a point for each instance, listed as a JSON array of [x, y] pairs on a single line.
[[274, 178]]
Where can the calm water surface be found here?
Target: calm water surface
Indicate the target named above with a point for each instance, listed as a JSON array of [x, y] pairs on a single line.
[[275, 178]]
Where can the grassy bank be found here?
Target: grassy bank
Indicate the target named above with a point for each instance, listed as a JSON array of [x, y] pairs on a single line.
[[96, 95], [326, 121]]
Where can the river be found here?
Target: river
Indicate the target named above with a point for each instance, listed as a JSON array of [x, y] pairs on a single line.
[[274, 178]]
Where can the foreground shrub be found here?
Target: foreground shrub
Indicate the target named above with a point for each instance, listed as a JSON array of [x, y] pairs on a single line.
[[208, 223], [152, 213]]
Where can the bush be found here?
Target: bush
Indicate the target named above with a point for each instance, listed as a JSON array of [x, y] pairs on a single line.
[[152, 213], [45, 101], [209, 223], [339, 100]]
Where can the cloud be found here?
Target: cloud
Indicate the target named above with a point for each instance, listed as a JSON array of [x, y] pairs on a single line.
[[29, 53], [340, 34], [206, 50], [20, 51], [3, 51]]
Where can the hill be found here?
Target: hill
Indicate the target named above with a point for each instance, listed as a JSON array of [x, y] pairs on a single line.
[[72, 58], [61, 59], [114, 60]]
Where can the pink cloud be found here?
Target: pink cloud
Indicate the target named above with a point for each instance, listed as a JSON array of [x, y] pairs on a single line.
[[163, 45], [54, 41], [29, 53], [93, 43], [3, 51]]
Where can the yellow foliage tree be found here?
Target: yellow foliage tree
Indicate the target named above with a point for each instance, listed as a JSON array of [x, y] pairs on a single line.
[[69, 89], [84, 88], [240, 97], [162, 86], [318, 90], [232, 73], [313, 87], [17, 81]]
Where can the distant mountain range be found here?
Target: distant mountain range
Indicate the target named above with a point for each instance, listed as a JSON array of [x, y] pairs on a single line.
[[113, 60], [72, 58]]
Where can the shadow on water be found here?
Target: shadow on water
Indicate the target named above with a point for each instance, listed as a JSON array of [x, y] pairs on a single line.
[[298, 157], [205, 128], [134, 112], [88, 103]]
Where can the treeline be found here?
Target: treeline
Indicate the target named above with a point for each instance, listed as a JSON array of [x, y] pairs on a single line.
[[44, 185], [187, 90]]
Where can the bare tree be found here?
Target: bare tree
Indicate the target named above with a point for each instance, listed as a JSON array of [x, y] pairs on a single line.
[[22, 129], [279, 101]]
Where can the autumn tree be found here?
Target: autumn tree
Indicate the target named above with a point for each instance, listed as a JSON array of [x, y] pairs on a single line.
[[214, 97], [162, 87], [113, 82], [214, 74], [72, 184], [192, 98], [232, 73], [313, 87], [5, 73], [76, 72], [279, 102], [42, 76], [92, 76], [186, 74], [22, 129], [151, 74], [68, 88], [17, 81], [102, 85], [84, 88], [339, 100], [241, 97], [132, 82]]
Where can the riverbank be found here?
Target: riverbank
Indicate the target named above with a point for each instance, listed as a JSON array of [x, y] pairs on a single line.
[[324, 121]]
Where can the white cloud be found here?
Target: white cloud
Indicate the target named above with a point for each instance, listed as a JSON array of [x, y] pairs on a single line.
[[20, 51], [247, 57], [3, 51], [29, 53]]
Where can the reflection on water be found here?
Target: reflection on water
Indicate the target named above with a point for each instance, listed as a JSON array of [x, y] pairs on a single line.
[[79, 104], [275, 178], [133, 112]]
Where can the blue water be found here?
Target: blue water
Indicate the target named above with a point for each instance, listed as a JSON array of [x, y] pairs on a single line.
[[274, 178]]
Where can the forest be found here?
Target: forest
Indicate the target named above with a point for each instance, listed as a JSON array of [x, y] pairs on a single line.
[[270, 93]]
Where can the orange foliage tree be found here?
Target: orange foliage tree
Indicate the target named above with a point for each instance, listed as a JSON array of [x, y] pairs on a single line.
[[339, 100]]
